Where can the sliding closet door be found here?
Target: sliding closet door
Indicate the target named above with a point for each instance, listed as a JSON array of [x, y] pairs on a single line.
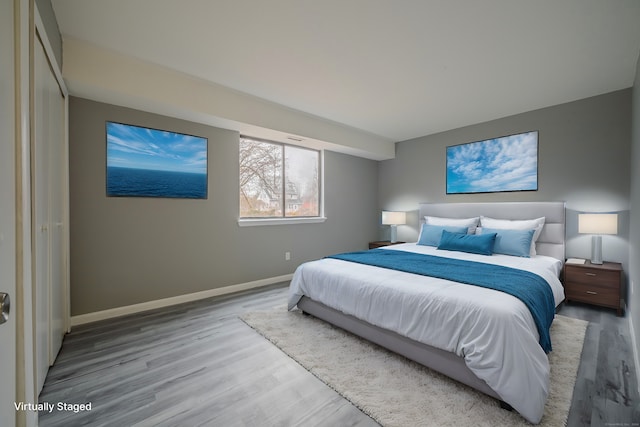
[[48, 213], [40, 158], [57, 231]]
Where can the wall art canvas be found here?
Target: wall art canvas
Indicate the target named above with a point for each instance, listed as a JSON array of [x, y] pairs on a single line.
[[507, 163], [145, 162]]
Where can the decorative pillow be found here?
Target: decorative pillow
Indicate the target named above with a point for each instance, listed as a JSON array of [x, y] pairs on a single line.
[[430, 234], [511, 242], [473, 243], [470, 223], [508, 224]]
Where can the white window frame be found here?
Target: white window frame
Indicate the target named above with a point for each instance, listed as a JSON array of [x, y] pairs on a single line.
[[252, 222]]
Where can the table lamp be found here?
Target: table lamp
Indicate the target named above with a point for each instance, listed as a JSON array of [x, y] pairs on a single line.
[[394, 218], [597, 224]]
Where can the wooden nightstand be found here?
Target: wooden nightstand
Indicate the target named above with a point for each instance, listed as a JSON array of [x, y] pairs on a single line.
[[594, 284], [381, 243]]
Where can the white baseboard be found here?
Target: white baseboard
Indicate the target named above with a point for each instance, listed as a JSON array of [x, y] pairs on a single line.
[[634, 348], [165, 302]]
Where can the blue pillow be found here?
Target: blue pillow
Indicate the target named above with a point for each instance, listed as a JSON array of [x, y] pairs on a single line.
[[481, 244], [430, 234], [512, 242]]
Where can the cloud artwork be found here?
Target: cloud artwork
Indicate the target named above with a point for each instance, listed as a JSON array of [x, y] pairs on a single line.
[[508, 163], [144, 148]]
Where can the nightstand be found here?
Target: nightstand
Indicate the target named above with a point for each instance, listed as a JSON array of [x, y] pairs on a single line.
[[594, 284], [381, 243]]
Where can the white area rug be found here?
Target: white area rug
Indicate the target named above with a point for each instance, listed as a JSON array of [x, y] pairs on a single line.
[[395, 391]]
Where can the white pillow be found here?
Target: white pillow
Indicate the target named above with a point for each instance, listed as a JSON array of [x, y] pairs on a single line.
[[470, 223], [514, 224]]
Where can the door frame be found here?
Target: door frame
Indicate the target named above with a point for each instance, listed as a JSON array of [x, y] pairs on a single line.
[[26, 19], [8, 221], [24, 367]]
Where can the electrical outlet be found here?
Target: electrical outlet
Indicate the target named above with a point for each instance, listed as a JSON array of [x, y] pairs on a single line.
[[287, 256]]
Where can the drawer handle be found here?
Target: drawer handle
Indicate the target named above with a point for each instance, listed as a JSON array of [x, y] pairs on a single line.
[[592, 293], [590, 274]]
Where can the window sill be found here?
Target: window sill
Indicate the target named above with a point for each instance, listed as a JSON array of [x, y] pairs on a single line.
[[252, 222]]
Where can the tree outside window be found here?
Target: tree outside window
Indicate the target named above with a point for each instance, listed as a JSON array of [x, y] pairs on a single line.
[[278, 180]]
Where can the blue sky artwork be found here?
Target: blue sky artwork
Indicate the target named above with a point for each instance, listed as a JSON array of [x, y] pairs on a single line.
[[508, 163], [136, 147]]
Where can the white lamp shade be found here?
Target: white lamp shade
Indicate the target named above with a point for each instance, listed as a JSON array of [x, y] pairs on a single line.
[[394, 218], [598, 223]]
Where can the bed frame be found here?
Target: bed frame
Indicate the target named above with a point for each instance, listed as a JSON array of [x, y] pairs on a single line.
[[550, 243]]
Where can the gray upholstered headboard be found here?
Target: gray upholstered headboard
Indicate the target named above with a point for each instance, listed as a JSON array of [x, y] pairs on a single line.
[[552, 239]]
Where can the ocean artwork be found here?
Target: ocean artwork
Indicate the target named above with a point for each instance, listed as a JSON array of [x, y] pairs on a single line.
[[508, 163], [145, 162]]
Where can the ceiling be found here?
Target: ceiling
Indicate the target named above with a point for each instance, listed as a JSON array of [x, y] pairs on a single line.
[[398, 69]]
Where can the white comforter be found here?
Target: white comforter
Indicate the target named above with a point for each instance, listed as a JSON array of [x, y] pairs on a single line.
[[493, 331]]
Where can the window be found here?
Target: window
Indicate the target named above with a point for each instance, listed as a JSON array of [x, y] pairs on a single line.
[[278, 180]]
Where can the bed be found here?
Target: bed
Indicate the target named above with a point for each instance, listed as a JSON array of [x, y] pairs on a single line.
[[481, 337]]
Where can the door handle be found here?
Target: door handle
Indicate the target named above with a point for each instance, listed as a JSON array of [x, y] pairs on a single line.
[[5, 307]]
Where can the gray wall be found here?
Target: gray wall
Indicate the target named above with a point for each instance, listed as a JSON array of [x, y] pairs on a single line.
[[634, 256], [131, 250], [584, 149]]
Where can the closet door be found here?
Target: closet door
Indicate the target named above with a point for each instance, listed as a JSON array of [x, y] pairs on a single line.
[[57, 226], [40, 158], [49, 199]]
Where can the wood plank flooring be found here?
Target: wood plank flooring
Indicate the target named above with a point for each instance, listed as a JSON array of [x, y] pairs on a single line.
[[606, 391], [198, 364]]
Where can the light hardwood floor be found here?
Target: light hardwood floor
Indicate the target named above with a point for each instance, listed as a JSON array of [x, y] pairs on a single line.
[[199, 364]]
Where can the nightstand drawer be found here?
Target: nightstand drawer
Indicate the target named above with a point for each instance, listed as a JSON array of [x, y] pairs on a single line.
[[592, 276], [595, 294]]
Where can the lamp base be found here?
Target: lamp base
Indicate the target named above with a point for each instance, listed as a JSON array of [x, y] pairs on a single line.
[[394, 233], [596, 250]]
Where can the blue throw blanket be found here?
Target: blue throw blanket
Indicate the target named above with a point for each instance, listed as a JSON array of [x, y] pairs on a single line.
[[531, 289]]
